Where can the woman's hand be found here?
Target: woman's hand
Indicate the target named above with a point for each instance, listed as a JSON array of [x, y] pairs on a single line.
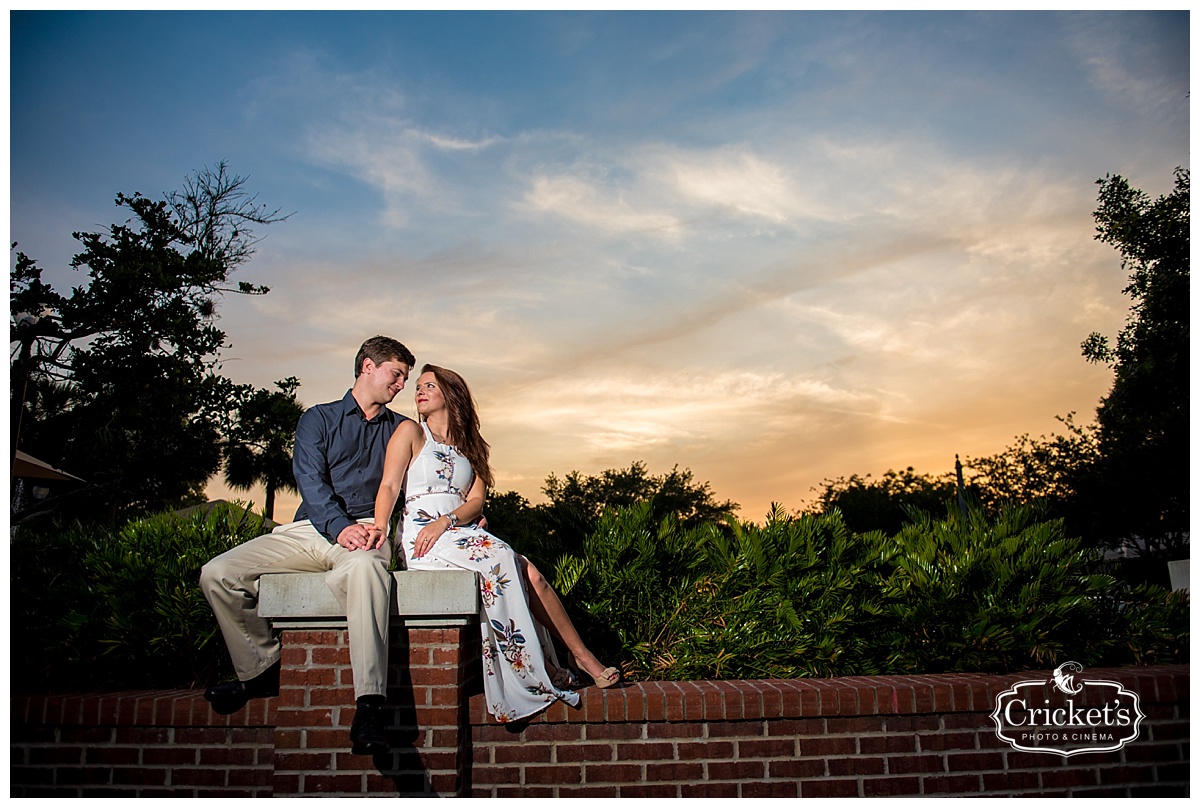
[[429, 536]]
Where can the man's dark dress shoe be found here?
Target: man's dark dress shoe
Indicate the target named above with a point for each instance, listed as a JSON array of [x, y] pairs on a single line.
[[229, 697], [366, 731]]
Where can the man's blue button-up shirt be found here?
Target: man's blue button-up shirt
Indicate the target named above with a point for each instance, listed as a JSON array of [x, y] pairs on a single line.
[[338, 463]]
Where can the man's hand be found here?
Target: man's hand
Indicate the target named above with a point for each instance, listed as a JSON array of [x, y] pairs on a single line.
[[360, 537]]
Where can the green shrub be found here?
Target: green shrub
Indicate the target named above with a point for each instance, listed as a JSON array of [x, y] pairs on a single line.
[[804, 596], [96, 609]]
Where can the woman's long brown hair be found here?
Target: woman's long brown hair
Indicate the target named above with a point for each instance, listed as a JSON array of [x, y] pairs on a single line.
[[464, 421]]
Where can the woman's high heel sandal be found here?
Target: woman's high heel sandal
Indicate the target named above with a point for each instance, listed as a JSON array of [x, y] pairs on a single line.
[[608, 678]]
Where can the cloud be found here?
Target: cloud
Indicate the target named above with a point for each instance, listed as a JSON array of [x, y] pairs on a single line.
[[1123, 58]]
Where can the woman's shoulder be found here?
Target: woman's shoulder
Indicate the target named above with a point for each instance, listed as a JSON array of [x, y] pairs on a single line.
[[408, 430]]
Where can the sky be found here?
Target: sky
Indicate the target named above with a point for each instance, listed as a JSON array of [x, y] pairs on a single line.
[[771, 248]]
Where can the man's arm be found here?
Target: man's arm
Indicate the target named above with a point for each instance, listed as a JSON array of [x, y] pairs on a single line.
[[310, 464]]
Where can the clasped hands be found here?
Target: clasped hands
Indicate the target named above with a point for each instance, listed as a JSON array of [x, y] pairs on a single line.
[[362, 537]]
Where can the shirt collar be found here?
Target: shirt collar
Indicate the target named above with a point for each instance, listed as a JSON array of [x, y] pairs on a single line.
[[350, 407]]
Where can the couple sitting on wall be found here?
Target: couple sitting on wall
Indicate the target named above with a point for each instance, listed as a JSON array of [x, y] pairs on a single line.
[[352, 460]]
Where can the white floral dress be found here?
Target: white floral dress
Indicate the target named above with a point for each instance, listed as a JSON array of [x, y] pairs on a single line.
[[515, 646]]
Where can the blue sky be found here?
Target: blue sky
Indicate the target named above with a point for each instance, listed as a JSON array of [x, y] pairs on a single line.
[[770, 247]]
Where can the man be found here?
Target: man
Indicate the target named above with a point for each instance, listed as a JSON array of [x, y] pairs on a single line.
[[338, 463]]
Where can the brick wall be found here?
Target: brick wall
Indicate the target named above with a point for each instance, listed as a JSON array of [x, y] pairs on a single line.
[[142, 744], [855, 736], [851, 737], [428, 671]]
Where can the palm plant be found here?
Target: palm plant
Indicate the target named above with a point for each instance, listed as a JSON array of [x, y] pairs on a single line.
[[260, 443]]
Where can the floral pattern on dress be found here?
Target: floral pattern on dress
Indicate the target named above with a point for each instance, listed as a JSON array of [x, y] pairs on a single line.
[[511, 643], [516, 681], [492, 586], [478, 547]]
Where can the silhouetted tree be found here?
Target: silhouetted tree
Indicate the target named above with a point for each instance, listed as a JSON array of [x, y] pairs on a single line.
[[136, 347], [259, 448], [883, 504], [1141, 488], [577, 501]]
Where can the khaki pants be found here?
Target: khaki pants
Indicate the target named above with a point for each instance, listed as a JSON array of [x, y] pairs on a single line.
[[359, 579]]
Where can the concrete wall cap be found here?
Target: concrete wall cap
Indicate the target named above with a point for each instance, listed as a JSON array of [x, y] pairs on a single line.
[[415, 593]]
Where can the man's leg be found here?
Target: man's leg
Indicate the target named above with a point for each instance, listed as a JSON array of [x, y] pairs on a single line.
[[362, 584], [230, 584]]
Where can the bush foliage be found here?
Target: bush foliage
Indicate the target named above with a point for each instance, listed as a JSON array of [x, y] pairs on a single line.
[[804, 596], [797, 596], [95, 608]]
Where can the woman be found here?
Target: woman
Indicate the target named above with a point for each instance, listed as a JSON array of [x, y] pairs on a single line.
[[445, 460]]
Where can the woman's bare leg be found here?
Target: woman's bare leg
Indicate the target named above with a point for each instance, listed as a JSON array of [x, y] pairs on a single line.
[[549, 611]]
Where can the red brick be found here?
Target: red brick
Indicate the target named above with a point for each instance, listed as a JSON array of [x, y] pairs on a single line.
[[673, 700], [250, 777], [674, 771], [437, 716], [167, 756], [826, 747], [635, 702], [975, 761], [795, 769], [829, 788], [490, 775], [942, 741], [588, 791], [445, 656], [1067, 778], [304, 761], [139, 736], [552, 775], [553, 732], [772, 699], [612, 773], [43, 755], [614, 705], [655, 701], [955, 784], [434, 676], [879, 744], [1009, 782], [718, 790], [845, 767], [1037, 760], [577, 753], [616, 732], [773, 747], [317, 717], [736, 729], [326, 739], [913, 764], [663, 730], [796, 726], [890, 786], [713, 700], [645, 750], [525, 753], [333, 783], [592, 706], [656, 790], [736, 770], [769, 789], [524, 792], [854, 726], [152, 777], [704, 750]]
